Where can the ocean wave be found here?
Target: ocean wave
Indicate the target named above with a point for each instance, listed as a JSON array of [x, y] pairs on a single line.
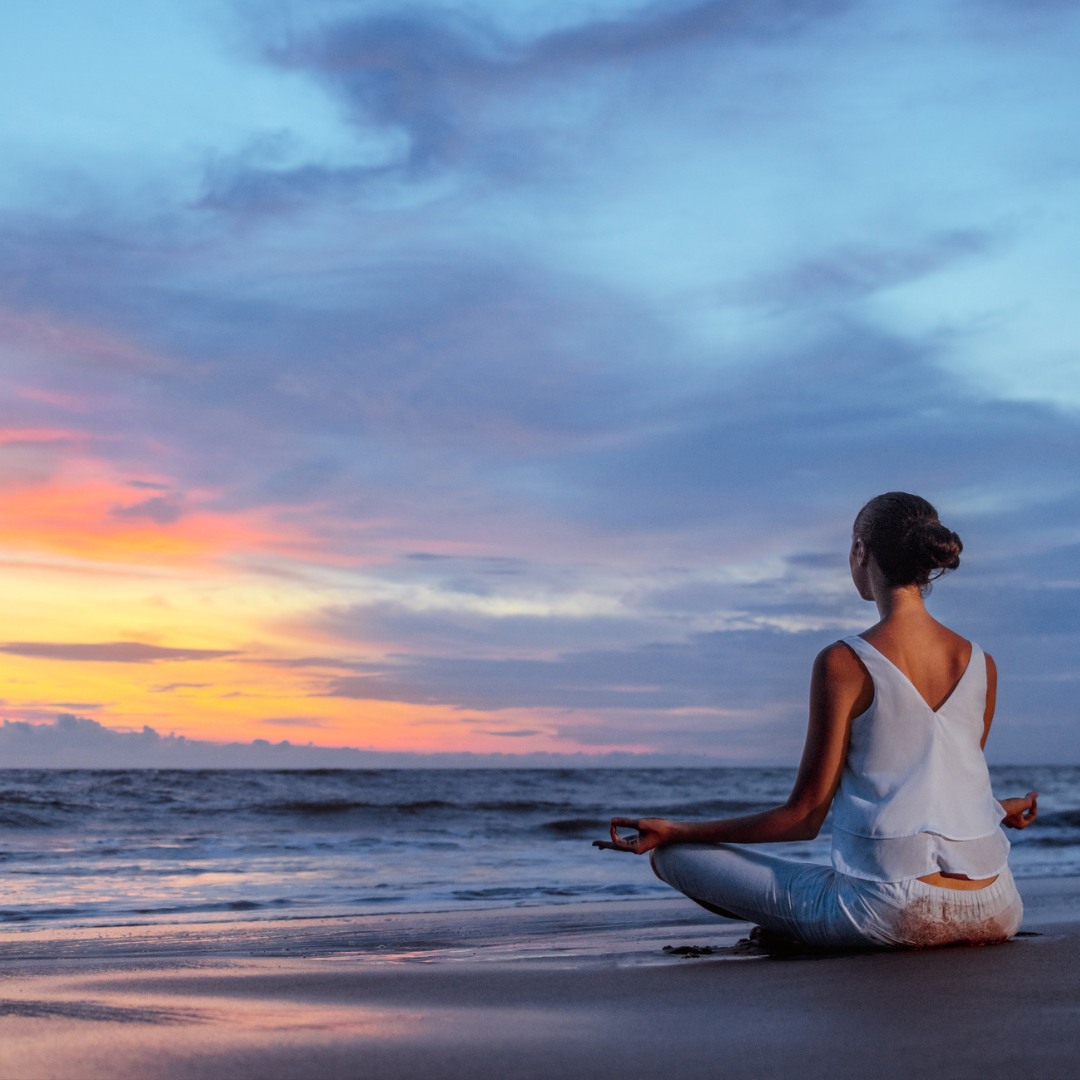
[[14, 819], [511, 892], [1049, 841], [1068, 818], [45, 912], [577, 827], [171, 846], [314, 807]]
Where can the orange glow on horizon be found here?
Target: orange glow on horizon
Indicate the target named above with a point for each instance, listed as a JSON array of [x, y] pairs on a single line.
[[241, 700], [224, 605], [90, 516]]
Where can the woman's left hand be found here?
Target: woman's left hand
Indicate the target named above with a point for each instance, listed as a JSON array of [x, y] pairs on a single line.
[[651, 833], [1020, 813]]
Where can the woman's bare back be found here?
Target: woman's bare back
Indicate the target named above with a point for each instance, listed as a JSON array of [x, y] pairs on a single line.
[[931, 656]]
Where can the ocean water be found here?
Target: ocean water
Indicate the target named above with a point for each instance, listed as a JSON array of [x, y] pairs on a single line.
[[93, 848]]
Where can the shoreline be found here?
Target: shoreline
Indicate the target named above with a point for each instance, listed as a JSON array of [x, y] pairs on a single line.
[[575, 931], [579, 928], [577, 990]]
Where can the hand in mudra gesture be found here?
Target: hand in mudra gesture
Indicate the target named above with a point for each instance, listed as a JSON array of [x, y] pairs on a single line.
[[1020, 813], [651, 833]]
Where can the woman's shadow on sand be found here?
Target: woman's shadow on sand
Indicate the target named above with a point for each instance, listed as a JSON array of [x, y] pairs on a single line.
[[767, 945]]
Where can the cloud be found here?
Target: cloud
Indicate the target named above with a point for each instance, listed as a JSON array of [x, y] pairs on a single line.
[[733, 670], [444, 79], [160, 509], [75, 742], [242, 183], [113, 652], [706, 736], [1004, 20], [399, 358], [444, 607], [856, 271], [295, 721], [555, 380], [794, 440], [80, 341], [449, 387], [517, 733], [466, 632], [315, 662]]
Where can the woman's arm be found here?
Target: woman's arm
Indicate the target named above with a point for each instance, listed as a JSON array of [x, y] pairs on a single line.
[[1019, 813], [991, 698], [840, 689]]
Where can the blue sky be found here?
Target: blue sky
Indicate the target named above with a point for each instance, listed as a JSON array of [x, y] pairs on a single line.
[[453, 377]]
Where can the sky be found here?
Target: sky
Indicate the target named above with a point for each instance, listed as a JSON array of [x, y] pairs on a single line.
[[502, 378]]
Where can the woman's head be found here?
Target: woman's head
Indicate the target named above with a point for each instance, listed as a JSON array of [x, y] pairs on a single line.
[[903, 534]]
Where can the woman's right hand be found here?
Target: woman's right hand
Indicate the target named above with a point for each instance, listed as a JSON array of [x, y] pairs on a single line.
[[651, 833], [1020, 813]]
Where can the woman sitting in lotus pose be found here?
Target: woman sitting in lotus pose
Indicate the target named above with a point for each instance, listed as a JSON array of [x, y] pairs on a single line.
[[899, 716]]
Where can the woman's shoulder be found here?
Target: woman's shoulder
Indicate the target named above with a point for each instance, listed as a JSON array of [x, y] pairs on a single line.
[[841, 680], [840, 660], [924, 640]]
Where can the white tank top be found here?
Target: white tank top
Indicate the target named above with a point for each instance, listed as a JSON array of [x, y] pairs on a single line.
[[914, 796]]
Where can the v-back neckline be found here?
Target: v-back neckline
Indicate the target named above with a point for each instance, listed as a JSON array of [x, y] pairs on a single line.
[[907, 678]]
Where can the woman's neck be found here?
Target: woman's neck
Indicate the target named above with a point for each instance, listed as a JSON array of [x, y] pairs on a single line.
[[900, 604]]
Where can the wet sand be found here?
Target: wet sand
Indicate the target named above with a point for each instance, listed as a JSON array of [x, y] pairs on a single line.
[[551, 993]]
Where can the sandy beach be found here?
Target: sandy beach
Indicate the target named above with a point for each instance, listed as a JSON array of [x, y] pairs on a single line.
[[583, 990]]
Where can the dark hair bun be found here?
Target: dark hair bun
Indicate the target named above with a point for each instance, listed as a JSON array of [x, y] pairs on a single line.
[[932, 548], [905, 536]]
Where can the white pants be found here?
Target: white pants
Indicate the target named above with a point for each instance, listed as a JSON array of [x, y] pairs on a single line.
[[817, 906]]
